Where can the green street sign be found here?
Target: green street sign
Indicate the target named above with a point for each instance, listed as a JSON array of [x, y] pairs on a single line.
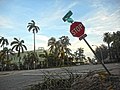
[[67, 17], [70, 20]]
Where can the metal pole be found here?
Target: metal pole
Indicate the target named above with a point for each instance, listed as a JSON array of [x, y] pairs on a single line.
[[97, 57]]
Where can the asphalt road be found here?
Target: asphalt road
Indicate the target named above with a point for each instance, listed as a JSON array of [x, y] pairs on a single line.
[[19, 80]]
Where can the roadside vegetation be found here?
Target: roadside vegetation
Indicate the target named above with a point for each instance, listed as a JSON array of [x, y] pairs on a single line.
[[67, 80], [58, 55]]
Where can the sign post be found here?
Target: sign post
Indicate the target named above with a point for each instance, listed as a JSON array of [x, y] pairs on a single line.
[[97, 57], [77, 29]]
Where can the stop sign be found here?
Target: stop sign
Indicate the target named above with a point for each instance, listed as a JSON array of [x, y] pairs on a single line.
[[77, 29]]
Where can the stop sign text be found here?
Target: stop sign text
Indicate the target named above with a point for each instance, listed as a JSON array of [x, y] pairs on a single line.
[[77, 29]]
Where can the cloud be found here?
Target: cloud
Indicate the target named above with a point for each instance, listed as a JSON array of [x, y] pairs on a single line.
[[104, 17], [97, 22], [70, 6], [76, 43], [41, 41], [96, 3], [5, 22], [103, 21], [51, 18]]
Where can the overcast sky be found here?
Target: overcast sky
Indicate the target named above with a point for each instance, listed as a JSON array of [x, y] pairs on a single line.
[[98, 17]]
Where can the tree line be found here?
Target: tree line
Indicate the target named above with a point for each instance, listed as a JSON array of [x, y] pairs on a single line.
[[59, 53]]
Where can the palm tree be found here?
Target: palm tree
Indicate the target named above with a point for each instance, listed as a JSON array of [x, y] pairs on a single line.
[[52, 44], [3, 42], [46, 56], [34, 28], [26, 62], [19, 46], [54, 51], [64, 41], [108, 39], [34, 59], [102, 52], [2, 59], [116, 44], [59, 48], [6, 54], [30, 60], [68, 51], [79, 54]]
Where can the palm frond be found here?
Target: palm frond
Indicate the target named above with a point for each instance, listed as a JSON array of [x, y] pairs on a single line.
[[17, 48], [22, 49], [30, 28], [33, 21], [25, 47], [16, 39], [14, 42], [13, 47], [37, 28], [1, 39], [30, 23], [22, 41], [6, 41]]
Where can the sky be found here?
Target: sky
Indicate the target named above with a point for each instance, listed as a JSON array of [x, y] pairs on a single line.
[[98, 17]]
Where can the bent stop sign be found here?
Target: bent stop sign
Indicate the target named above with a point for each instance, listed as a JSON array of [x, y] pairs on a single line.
[[77, 29]]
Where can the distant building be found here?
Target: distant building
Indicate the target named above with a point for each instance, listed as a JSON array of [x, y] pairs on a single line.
[[39, 51]]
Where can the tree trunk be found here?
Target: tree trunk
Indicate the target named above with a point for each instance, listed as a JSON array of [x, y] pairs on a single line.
[[3, 46], [117, 55], [19, 63], [34, 42], [109, 52]]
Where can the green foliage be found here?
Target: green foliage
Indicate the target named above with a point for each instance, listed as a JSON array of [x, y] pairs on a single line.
[[59, 49], [19, 46], [32, 26], [79, 54], [113, 41], [102, 52], [3, 42], [30, 59]]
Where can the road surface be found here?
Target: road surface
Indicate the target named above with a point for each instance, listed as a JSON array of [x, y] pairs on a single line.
[[19, 80]]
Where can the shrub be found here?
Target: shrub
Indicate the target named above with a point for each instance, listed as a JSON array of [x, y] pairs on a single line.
[[67, 80]]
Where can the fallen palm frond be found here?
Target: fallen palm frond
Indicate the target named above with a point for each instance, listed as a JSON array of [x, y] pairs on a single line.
[[67, 80]]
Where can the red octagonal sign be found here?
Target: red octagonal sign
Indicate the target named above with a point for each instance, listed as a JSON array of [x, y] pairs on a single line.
[[77, 29]]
